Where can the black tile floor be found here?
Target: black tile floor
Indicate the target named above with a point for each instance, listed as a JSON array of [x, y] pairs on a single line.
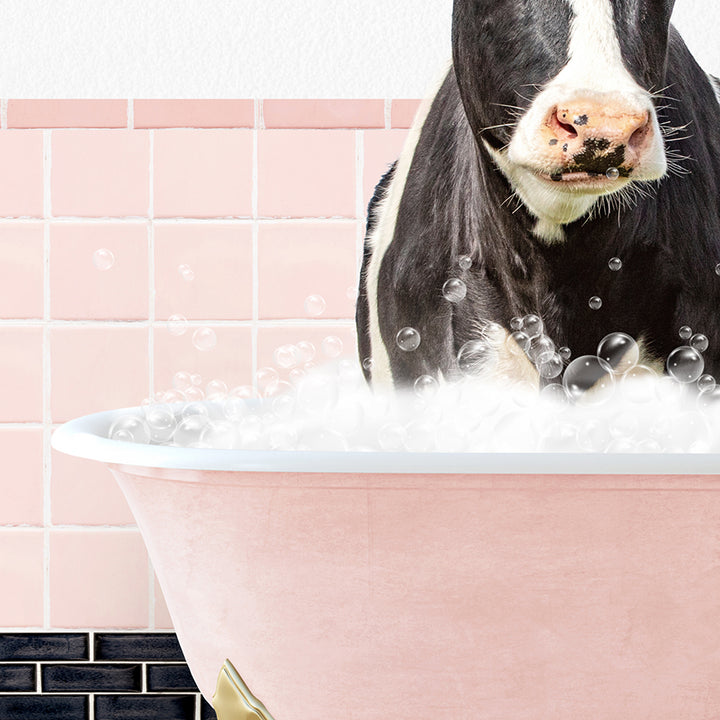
[[61, 676]]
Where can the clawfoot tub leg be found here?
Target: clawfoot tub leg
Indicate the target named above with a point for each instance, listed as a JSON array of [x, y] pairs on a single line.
[[233, 700]]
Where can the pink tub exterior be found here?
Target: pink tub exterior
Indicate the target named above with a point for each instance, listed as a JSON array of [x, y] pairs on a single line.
[[363, 596]]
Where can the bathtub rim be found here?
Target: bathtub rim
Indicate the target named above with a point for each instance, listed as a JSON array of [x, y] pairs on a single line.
[[86, 437]]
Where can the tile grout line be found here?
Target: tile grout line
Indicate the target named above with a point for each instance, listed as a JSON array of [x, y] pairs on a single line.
[[151, 343], [259, 121], [388, 113], [218, 220], [47, 374], [131, 114]]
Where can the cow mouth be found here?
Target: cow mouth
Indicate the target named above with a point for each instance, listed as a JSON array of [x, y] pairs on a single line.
[[582, 179]]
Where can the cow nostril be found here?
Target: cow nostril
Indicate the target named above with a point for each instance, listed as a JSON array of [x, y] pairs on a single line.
[[638, 137], [562, 129]]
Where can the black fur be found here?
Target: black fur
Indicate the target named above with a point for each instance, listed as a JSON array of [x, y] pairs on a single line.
[[454, 205]]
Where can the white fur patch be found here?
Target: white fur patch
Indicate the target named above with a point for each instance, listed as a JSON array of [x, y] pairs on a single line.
[[383, 235]]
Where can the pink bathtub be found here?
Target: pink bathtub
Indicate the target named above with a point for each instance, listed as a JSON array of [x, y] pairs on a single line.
[[416, 587]]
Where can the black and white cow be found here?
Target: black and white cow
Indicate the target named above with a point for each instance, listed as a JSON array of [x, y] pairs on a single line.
[[508, 164]]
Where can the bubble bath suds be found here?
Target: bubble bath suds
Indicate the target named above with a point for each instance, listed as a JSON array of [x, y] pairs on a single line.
[[596, 403]]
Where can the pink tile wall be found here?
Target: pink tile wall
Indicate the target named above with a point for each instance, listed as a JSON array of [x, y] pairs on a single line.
[[263, 201]]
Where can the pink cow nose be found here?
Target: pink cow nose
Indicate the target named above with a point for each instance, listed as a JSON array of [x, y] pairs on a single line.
[[586, 132]]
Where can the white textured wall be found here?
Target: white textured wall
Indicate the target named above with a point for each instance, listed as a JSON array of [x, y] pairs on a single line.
[[247, 48]]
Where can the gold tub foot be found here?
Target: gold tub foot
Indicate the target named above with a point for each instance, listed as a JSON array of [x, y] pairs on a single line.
[[233, 700]]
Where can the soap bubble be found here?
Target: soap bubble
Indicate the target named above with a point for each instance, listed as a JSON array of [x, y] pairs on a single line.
[[287, 356], [161, 422], [216, 390], [368, 363], [172, 396], [699, 342], [194, 393], [706, 383], [454, 290], [476, 356], [177, 325], [623, 425], [103, 259], [532, 326], [615, 264], [296, 374], [555, 393], [465, 262], [550, 367], [196, 379], [182, 380], [612, 173], [542, 348], [190, 430], [307, 351], [186, 273], [685, 332], [391, 437], [565, 353], [619, 351], [516, 324], [518, 343], [332, 346], [195, 407], [638, 384], [685, 364], [204, 339], [588, 380], [408, 339], [130, 428], [315, 305], [717, 269], [595, 302], [220, 434], [267, 378], [426, 386]]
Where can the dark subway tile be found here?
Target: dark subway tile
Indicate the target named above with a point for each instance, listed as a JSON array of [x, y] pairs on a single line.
[[144, 707], [170, 677], [137, 646], [206, 710], [43, 646], [47, 707], [91, 678], [17, 678]]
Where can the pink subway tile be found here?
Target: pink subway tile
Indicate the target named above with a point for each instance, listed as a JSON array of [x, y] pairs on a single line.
[[306, 173], [21, 370], [21, 180], [271, 338], [402, 112], [80, 289], [85, 493], [163, 621], [194, 113], [97, 368], [230, 360], [324, 113], [98, 578], [382, 148], [203, 173], [21, 481], [21, 271], [98, 173], [299, 260], [67, 113], [220, 260], [21, 577]]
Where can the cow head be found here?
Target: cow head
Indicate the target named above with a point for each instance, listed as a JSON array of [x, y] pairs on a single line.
[[560, 92]]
